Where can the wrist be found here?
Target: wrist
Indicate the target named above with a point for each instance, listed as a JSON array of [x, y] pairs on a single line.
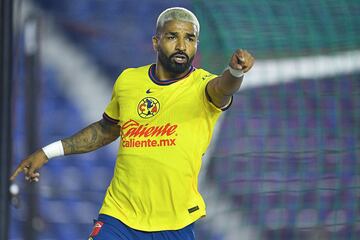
[[237, 73], [54, 149]]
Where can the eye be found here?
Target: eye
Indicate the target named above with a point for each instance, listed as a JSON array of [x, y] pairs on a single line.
[[171, 37], [191, 39]]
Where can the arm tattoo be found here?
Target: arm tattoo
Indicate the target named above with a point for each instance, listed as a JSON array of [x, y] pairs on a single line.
[[91, 138]]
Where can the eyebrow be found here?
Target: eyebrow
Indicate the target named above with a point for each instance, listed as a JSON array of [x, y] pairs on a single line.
[[176, 33]]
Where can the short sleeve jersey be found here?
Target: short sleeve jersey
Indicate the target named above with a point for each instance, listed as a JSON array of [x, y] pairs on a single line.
[[166, 127]]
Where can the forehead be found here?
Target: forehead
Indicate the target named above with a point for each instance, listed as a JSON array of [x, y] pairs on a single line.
[[179, 26]]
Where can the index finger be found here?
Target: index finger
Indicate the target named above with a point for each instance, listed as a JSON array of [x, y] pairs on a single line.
[[19, 169]]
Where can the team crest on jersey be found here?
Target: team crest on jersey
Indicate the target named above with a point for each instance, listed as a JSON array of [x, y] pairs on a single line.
[[148, 107]]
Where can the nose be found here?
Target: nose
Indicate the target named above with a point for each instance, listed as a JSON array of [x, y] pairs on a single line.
[[180, 45]]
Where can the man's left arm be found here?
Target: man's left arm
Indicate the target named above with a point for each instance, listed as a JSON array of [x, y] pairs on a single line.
[[220, 89]]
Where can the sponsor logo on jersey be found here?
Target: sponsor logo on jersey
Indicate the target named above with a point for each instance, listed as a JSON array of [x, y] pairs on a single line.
[[134, 134], [148, 107]]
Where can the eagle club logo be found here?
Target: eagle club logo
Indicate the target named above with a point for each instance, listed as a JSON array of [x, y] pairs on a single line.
[[148, 107]]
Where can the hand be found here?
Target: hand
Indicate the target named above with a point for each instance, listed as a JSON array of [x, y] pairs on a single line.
[[242, 60], [30, 165]]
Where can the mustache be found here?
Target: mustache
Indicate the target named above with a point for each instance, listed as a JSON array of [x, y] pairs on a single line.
[[179, 53]]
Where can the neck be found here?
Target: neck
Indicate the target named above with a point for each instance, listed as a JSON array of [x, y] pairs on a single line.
[[163, 74]]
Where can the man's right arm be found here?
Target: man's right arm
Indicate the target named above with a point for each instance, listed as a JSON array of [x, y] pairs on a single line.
[[88, 139], [91, 138]]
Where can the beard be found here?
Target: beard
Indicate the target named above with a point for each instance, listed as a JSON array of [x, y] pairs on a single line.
[[170, 65]]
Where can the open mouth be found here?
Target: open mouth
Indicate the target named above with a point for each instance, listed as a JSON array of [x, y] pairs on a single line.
[[180, 58]]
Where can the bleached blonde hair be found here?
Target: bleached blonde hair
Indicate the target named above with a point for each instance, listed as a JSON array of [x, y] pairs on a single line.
[[177, 13]]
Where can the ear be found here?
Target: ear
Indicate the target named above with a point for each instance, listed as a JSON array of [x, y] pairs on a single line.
[[155, 42]]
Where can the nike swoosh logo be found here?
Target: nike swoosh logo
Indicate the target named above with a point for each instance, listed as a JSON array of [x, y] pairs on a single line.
[[148, 91]]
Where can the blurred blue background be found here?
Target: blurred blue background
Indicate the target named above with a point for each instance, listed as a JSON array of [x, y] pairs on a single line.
[[284, 163]]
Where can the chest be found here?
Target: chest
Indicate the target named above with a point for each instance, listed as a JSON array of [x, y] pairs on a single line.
[[148, 102]]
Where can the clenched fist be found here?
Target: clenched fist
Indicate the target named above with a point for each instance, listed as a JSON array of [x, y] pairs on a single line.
[[241, 60]]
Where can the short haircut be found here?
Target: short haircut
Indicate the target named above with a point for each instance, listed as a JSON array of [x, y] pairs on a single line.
[[177, 13]]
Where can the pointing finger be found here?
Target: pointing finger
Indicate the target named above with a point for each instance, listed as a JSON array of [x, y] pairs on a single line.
[[17, 171]]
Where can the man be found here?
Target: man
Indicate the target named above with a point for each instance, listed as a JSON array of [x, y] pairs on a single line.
[[165, 114]]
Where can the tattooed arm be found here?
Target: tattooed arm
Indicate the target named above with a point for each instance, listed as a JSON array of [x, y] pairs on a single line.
[[89, 139]]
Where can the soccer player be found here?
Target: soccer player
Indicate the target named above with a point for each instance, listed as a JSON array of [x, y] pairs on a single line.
[[165, 114]]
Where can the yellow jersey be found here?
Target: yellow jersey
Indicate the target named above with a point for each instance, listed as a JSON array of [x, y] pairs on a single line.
[[166, 127]]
